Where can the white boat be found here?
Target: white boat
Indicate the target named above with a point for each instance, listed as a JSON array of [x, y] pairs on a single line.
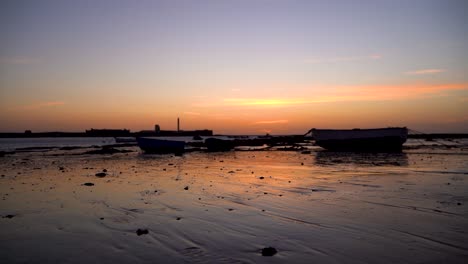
[[377, 139], [153, 145]]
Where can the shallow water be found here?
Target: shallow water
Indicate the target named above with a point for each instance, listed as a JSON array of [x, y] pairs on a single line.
[[322, 207]]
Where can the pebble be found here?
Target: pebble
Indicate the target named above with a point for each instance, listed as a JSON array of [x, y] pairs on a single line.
[[142, 231], [88, 184], [101, 174], [269, 251]]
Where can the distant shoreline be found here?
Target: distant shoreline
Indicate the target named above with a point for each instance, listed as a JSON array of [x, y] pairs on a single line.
[[185, 134]]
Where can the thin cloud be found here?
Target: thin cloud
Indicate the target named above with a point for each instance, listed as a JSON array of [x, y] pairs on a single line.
[[41, 105], [425, 72], [282, 121], [20, 60], [329, 94], [343, 59], [192, 113]]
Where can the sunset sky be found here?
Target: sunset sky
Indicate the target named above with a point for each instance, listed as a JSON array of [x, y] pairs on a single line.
[[237, 67]]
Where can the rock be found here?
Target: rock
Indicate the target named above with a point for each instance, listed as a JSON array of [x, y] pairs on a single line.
[[9, 216], [261, 178], [104, 170], [186, 188], [142, 231], [88, 184], [269, 251], [101, 174], [107, 150]]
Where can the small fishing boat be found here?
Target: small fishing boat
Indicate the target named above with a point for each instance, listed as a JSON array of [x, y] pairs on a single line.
[[197, 137], [216, 144], [378, 139], [124, 139], [153, 145]]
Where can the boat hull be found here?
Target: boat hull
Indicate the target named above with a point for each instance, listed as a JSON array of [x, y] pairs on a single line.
[[374, 140], [160, 146], [124, 139], [214, 144]]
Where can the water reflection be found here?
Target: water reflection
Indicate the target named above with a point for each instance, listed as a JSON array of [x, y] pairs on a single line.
[[325, 158]]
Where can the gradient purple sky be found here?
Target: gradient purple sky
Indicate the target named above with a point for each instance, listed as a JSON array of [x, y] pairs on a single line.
[[240, 67]]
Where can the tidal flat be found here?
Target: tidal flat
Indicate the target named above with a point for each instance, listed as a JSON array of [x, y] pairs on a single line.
[[312, 207]]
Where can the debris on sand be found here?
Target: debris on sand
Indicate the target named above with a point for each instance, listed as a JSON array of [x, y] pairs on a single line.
[[269, 251], [88, 184], [261, 177], [9, 216], [186, 188], [142, 231], [101, 174], [107, 150]]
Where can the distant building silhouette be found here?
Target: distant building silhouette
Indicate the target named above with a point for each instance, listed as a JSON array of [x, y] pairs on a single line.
[[108, 132]]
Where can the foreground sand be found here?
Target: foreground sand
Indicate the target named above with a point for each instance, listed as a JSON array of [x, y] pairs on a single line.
[[225, 207]]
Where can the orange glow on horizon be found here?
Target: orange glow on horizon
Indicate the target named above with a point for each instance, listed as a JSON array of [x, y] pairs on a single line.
[[330, 106]]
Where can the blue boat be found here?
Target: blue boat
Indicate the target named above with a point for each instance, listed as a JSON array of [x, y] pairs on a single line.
[[153, 145]]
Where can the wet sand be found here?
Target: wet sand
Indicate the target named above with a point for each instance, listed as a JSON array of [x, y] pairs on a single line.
[[320, 207]]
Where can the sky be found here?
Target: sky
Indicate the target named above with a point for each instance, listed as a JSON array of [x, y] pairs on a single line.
[[237, 67]]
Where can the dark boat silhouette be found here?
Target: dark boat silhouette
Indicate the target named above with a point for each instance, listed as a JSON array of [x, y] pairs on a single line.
[[215, 144], [153, 145], [377, 139]]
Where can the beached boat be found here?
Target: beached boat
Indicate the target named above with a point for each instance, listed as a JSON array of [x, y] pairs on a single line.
[[124, 139], [377, 139], [216, 144], [153, 145]]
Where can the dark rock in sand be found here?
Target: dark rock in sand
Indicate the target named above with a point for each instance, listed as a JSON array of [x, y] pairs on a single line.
[[107, 150], [104, 170], [88, 184], [186, 188], [9, 216], [269, 251], [101, 174], [142, 231], [261, 178]]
